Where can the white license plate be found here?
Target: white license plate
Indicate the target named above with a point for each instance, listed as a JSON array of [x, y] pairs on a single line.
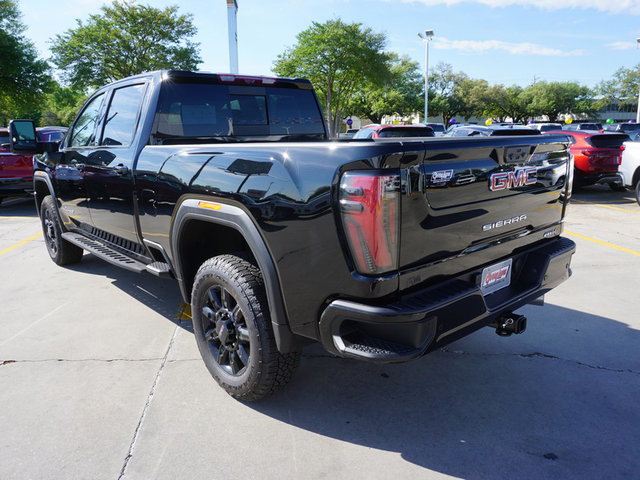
[[496, 277]]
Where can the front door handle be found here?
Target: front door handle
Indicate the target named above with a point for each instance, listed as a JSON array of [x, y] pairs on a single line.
[[121, 169]]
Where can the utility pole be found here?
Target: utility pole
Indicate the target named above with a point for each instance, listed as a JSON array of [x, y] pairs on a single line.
[[638, 112], [232, 16], [426, 37]]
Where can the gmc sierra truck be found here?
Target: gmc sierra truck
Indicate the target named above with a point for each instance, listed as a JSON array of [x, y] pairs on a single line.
[[381, 250]]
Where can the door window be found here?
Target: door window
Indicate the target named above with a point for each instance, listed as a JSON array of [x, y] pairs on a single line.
[[84, 130], [121, 120]]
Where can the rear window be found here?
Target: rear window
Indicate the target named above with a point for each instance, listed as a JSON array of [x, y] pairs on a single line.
[[437, 127], [4, 139], [629, 127], [609, 140], [550, 127], [406, 132], [201, 110], [50, 136], [515, 131]]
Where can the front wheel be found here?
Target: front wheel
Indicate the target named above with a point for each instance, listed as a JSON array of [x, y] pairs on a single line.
[[232, 328], [60, 251], [638, 191]]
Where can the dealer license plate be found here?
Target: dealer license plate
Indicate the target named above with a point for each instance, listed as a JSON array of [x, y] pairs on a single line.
[[496, 277]]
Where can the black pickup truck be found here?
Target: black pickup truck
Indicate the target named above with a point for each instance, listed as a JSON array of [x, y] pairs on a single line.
[[382, 250]]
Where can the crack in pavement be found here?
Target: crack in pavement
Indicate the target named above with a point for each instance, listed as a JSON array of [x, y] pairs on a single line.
[[544, 355], [132, 445], [521, 355], [103, 360]]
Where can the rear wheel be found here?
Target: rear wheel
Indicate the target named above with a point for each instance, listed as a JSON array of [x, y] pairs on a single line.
[[638, 191], [60, 251], [233, 332]]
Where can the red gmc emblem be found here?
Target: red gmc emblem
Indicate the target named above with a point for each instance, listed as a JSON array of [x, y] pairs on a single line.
[[517, 178]]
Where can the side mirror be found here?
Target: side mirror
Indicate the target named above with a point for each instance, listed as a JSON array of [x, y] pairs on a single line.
[[23, 136]]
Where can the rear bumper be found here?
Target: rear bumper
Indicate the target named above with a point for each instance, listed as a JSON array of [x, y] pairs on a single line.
[[610, 178], [600, 178], [433, 317]]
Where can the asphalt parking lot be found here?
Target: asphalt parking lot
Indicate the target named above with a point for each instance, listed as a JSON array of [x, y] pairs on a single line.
[[100, 380]]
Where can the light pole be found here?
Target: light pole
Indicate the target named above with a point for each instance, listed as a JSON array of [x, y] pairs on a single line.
[[638, 112], [232, 13], [426, 37]]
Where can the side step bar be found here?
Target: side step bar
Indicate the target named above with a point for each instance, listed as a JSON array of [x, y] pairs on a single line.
[[114, 257]]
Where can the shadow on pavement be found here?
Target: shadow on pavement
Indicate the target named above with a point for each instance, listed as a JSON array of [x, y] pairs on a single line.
[[18, 207], [602, 193], [477, 409], [160, 295]]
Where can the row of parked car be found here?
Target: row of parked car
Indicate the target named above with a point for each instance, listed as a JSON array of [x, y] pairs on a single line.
[[608, 154], [603, 154]]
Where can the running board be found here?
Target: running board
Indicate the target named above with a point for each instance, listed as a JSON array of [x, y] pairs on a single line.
[[104, 252]]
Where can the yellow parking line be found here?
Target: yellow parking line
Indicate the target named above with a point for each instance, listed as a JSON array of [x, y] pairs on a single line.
[[606, 206], [606, 244], [19, 244]]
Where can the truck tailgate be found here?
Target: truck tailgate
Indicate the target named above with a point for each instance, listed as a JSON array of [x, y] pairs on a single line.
[[472, 201]]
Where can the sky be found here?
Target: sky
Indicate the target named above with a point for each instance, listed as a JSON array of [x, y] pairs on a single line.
[[502, 41]]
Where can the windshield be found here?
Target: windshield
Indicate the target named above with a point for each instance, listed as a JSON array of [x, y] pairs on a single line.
[[194, 111]]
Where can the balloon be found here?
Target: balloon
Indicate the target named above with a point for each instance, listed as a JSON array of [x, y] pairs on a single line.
[[609, 120], [568, 120], [452, 121], [488, 122]]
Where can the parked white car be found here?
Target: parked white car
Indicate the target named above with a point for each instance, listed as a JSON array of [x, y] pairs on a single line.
[[630, 167]]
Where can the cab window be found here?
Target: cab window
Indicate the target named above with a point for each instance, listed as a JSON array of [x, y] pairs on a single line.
[[84, 130], [121, 119]]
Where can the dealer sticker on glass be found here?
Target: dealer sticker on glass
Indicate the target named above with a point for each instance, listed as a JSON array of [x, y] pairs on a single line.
[[496, 277]]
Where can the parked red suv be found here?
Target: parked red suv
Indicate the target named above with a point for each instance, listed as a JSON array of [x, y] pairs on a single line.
[[596, 156], [16, 171]]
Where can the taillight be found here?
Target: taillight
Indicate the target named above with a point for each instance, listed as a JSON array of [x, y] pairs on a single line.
[[369, 208]]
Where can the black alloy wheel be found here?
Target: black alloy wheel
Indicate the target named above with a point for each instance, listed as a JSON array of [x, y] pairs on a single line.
[[233, 330], [225, 330], [60, 251]]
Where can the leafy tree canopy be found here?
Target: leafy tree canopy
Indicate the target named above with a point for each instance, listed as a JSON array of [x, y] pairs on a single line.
[[339, 59], [402, 94], [622, 88], [23, 77], [447, 93], [125, 39]]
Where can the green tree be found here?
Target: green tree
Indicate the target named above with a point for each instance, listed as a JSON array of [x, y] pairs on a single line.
[[339, 59], [449, 93], [125, 39], [401, 95], [557, 98], [61, 105], [23, 77], [506, 103], [622, 88]]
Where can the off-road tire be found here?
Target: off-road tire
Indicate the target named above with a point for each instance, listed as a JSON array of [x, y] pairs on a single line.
[[60, 251], [233, 330]]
